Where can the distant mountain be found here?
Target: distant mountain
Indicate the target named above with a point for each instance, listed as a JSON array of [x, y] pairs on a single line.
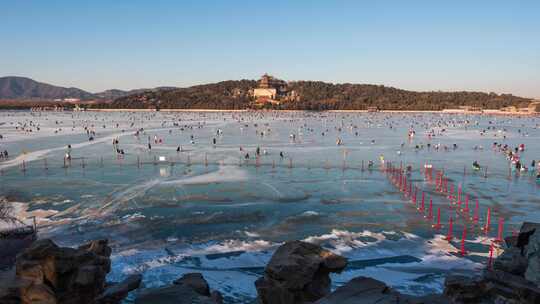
[[115, 93], [12, 87]]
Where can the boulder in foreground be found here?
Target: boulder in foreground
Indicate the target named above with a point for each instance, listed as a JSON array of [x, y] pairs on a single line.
[[298, 272], [46, 273]]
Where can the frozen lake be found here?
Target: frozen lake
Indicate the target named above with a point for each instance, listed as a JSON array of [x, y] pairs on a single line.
[[207, 208]]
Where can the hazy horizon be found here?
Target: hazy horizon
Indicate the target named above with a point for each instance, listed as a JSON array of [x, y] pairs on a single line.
[[489, 46]]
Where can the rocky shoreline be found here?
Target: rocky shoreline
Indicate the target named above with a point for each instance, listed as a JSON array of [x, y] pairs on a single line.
[[298, 272]]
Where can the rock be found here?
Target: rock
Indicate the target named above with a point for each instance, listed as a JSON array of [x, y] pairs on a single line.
[[66, 275], [190, 288], [529, 226], [10, 287], [217, 297], [533, 258], [462, 289], [511, 261], [298, 272], [114, 293], [195, 281], [511, 287], [362, 290], [174, 294], [525, 233]]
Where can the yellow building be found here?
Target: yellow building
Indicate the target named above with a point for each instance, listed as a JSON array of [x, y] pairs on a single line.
[[270, 88], [534, 107], [265, 93]]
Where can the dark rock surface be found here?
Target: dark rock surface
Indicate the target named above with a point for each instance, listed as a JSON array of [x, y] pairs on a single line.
[[298, 272], [190, 288], [362, 290], [196, 282], [116, 292]]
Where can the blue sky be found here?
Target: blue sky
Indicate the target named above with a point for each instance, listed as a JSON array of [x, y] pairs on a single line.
[[418, 45]]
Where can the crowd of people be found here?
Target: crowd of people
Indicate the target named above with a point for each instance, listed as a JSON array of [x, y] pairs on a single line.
[[303, 127]]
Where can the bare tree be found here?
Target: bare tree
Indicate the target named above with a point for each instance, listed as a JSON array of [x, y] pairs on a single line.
[[6, 213]]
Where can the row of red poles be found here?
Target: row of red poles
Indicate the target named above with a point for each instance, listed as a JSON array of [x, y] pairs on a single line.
[[398, 177]]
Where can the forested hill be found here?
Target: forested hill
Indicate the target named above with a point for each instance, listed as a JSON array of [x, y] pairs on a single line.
[[315, 95], [232, 94]]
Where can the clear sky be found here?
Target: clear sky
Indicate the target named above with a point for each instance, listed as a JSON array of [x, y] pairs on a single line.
[[419, 45]]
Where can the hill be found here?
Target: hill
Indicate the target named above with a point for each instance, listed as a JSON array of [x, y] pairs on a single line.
[[231, 94], [12, 87], [315, 95], [115, 93]]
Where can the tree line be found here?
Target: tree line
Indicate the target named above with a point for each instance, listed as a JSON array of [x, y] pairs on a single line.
[[314, 95]]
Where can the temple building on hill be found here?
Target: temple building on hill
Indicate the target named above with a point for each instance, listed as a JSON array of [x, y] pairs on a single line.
[[270, 87], [272, 90]]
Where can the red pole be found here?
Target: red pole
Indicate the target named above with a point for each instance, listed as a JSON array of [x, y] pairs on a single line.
[[430, 215], [463, 236], [500, 232], [450, 228], [422, 208], [488, 220], [451, 196], [423, 197], [490, 260]]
